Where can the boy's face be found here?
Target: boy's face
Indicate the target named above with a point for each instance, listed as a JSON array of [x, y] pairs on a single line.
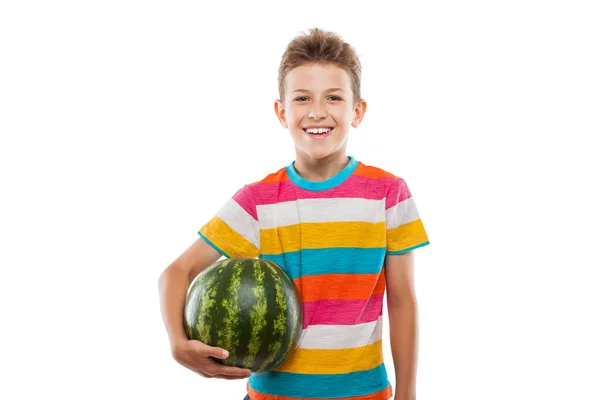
[[311, 101]]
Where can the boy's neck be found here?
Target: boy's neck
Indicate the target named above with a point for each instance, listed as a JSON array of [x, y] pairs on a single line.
[[320, 170]]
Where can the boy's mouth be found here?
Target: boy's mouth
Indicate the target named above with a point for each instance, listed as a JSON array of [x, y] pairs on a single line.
[[318, 131]]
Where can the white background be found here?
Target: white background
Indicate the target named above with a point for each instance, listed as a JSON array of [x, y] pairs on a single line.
[[125, 125]]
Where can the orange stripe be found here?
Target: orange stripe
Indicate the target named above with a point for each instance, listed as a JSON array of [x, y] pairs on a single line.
[[276, 177], [340, 286], [372, 172], [384, 394]]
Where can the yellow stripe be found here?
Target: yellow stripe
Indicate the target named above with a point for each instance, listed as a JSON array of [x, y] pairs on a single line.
[[406, 236], [228, 240], [319, 235], [313, 361]]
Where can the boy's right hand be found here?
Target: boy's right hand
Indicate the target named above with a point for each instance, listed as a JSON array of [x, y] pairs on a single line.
[[196, 356]]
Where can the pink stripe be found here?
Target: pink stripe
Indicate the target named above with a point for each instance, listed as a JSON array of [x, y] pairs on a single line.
[[354, 186], [398, 193], [245, 199], [342, 312]]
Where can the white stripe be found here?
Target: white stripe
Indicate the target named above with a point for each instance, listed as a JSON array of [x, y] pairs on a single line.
[[334, 337], [402, 213], [320, 210], [239, 220]]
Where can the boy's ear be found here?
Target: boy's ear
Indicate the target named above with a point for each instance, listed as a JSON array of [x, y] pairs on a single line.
[[280, 112], [359, 113]]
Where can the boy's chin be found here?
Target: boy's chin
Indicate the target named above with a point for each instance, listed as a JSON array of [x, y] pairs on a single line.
[[318, 155]]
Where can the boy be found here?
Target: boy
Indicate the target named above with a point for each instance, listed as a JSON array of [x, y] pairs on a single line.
[[343, 230]]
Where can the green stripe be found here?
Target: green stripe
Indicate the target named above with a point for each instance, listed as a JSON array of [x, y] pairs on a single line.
[[246, 300], [230, 324], [296, 315], [258, 314], [289, 337], [294, 320], [218, 313], [278, 320], [206, 290]]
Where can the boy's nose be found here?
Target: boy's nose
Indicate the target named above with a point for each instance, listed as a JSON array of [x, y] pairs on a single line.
[[316, 114]]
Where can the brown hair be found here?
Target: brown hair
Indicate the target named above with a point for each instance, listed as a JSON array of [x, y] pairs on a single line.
[[319, 46]]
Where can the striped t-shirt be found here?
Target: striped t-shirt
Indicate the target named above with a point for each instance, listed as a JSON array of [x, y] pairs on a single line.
[[331, 238]]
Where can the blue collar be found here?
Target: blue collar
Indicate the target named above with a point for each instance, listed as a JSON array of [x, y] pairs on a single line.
[[332, 182]]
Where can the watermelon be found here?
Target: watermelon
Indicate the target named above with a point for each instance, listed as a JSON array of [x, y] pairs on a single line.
[[249, 307]]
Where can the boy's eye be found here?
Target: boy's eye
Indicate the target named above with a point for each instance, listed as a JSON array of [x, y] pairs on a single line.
[[304, 97]]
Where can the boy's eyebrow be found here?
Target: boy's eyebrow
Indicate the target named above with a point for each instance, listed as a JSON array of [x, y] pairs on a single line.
[[308, 91]]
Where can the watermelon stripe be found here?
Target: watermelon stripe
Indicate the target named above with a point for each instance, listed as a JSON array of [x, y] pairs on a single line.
[[191, 309], [286, 340], [230, 324], [207, 302], [294, 323], [218, 293], [272, 306], [258, 314], [342, 312], [246, 296], [277, 326]]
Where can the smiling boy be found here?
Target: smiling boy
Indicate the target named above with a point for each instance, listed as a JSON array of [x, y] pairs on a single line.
[[343, 230]]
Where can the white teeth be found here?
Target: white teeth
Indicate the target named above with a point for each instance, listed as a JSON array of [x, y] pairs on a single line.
[[319, 130]]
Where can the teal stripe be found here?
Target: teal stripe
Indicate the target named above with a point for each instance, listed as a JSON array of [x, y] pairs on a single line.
[[322, 385], [213, 245], [332, 182], [347, 260], [407, 250]]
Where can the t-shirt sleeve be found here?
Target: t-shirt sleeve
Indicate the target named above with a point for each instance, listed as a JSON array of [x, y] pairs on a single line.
[[404, 228], [234, 230]]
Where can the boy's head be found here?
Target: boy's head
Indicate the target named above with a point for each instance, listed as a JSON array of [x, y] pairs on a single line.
[[312, 66]]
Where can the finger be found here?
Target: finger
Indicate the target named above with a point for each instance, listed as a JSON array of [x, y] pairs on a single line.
[[228, 377], [202, 374], [233, 371]]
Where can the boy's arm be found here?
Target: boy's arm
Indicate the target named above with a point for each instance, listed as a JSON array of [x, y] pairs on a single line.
[[175, 281], [403, 317], [173, 285]]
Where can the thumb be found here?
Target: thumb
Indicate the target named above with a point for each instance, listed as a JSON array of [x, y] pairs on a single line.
[[209, 351], [216, 352]]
